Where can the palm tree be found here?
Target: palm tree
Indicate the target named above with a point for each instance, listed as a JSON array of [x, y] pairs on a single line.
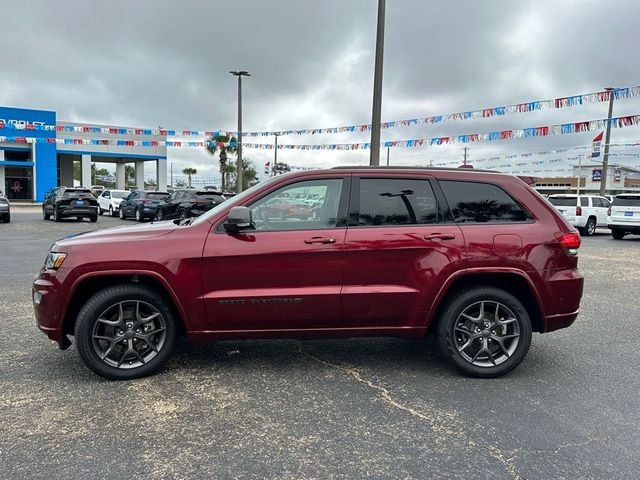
[[226, 144], [189, 172]]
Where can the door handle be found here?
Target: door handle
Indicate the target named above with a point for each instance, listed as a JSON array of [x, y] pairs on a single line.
[[440, 236], [320, 240]]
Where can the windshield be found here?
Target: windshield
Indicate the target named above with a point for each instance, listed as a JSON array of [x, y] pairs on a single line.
[[157, 196], [236, 200], [563, 201]]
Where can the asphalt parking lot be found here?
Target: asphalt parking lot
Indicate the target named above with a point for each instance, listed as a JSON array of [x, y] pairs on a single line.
[[363, 408]]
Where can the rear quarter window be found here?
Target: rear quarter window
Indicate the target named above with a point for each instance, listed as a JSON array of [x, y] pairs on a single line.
[[563, 201], [479, 202]]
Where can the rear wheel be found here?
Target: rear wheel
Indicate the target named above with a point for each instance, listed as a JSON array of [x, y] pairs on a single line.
[[125, 332], [182, 213], [6, 217], [121, 213], [93, 218], [45, 215], [100, 211], [56, 215], [590, 228], [617, 233], [486, 332], [110, 210], [159, 215]]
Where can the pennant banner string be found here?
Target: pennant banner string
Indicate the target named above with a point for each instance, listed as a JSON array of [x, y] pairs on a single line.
[[543, 131], [556, 103]]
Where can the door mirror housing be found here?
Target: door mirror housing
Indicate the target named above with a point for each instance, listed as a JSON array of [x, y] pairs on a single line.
[[239, 219]]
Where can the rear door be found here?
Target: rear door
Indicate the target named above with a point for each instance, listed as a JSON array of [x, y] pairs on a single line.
[[401, 244]]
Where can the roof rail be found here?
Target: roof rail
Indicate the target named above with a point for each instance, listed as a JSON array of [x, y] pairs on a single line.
[[394, 167]]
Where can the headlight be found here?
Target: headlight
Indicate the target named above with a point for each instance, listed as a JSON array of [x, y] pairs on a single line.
[[54, 260]]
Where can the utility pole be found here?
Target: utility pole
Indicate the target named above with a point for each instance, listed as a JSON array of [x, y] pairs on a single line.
[[605, 158], [388, 156], [465, 156], [239, 169], [374, 160], [275, 155]]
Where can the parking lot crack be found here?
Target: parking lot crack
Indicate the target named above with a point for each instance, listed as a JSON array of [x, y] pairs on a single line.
[[444, 424]]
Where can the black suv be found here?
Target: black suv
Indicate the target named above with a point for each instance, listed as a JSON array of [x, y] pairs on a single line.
[[141, 204], [188, 203], [65, 202]]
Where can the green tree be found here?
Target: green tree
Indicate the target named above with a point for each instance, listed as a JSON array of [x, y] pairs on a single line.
[[189, 171], [129, 175], [249, 174], [226, 145]]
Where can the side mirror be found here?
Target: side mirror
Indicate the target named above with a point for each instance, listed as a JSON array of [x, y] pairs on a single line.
[[239, 219]]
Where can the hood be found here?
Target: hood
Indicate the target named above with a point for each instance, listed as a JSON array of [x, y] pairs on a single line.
[[118, 234], [116, 201]]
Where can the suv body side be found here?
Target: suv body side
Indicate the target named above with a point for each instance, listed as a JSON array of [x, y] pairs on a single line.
[[349, 278], [578, 210]]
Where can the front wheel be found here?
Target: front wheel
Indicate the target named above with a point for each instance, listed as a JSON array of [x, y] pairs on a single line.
[[121, 214], [45, 215], [125, 332], [100, 211], [485, 331], [111, 210], [139, 216]]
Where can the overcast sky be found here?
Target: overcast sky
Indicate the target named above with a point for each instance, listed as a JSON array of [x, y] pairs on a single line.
[[165, 63]]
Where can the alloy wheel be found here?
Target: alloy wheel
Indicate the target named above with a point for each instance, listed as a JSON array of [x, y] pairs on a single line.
[[486, 333], [129, 334]]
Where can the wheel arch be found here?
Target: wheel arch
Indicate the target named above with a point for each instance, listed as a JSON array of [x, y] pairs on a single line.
[[87, 285], [512, 281]]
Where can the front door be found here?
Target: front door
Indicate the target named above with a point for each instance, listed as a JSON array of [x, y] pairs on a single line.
[[286, 272], [400, 246]]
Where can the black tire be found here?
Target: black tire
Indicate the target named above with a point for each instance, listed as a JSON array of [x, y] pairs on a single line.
[[121, 214], [56, 215], [451, 315], [590, 228], [617, 233], [139, 215], [6, 217], [100, 211], [159, 215], [100, 303], [111, 213], [45, 215], [93, 218], [182, 214]]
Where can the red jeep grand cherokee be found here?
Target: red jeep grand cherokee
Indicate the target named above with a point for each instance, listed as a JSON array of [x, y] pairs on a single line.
[[478, 258]]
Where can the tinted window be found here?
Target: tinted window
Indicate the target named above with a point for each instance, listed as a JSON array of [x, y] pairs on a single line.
[[278, 211], [119, 194], [475, 202], [210, 196], [584, 201], [626, 201], [397, 201], [564, 201]]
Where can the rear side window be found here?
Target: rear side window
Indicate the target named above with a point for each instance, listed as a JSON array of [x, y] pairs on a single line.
[[584, 202], [396, 201], [624, 201], [564, 201], [476, 202]]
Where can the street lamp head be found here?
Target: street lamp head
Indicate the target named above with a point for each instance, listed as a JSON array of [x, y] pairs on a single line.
[[240, 73]]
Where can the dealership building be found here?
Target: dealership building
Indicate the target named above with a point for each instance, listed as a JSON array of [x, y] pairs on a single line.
[[30, 167]]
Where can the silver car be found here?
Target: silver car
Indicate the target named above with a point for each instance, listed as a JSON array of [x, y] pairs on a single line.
[[5, 209]]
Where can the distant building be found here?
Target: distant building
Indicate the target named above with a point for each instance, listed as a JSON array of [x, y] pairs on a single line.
[[619, 180], [28, 170]]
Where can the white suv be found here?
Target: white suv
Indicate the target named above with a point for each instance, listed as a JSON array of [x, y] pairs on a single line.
[[624, 215], [585, 212], [109, 201]]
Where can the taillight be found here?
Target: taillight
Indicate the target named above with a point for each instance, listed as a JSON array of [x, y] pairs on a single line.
[[578, 211], [147, 201], [571, 241]]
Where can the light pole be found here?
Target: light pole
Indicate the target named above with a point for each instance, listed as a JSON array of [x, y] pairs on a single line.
[[605, 158], [374, 160], [275, 155], [171, 165], [239, 74]]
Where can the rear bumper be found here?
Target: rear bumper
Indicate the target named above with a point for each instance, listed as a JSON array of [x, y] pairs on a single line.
[[626, 226], [562, 303], [77, 211]]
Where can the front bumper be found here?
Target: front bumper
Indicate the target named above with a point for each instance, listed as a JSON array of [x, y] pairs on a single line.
[[47, 293]]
